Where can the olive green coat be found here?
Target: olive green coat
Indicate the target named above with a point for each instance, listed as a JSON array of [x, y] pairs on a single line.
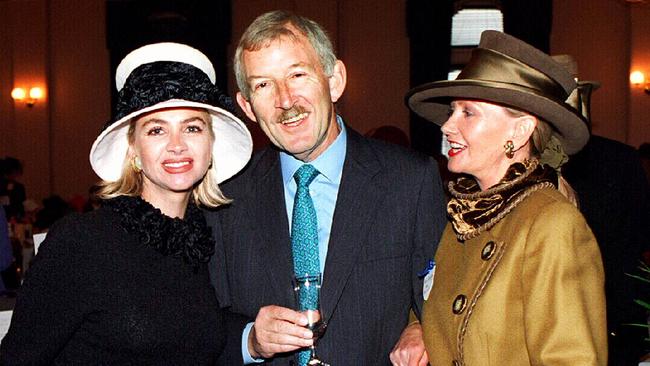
[[527, 292]]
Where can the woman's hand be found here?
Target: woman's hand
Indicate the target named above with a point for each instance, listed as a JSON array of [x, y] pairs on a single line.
[[409, 350]]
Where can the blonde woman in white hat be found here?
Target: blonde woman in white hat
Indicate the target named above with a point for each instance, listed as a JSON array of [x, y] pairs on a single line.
[[517, 277], [128, 283]]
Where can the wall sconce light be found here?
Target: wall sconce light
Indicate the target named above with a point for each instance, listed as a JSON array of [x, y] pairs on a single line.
[[637, 79], [30, 98]]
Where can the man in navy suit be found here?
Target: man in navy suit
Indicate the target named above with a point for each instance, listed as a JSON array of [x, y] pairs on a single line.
[[379, 209]]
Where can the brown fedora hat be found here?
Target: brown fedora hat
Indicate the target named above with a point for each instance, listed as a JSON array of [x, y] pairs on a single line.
[[506, 71]]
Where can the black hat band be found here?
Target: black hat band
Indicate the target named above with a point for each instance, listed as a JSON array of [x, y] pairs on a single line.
[[160, 81]]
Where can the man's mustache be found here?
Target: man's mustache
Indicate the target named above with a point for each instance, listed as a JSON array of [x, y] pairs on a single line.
[[292, 112]]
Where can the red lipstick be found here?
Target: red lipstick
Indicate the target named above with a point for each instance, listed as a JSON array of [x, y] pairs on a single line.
[[178, 166]]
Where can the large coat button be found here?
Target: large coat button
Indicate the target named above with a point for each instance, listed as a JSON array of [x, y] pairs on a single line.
[[488, 250], [459, 304]]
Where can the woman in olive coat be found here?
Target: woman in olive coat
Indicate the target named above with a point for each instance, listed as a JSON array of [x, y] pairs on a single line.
[[517, 278]]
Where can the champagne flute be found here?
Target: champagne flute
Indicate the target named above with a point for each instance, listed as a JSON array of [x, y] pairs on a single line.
[[307, 290]]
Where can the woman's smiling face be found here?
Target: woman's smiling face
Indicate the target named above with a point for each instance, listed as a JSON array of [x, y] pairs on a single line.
[[477, 132], [175, 147]]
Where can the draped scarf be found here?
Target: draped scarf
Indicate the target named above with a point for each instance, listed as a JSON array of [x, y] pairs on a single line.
[[473, 211]]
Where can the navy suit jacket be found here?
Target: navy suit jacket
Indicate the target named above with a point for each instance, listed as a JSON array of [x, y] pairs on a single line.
[[388, 219]]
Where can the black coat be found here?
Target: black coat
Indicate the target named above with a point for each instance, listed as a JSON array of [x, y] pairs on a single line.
[[95, 295], [613, 195]]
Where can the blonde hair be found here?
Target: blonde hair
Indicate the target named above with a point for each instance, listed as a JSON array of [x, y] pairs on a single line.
[[206, 192], [538, 142]]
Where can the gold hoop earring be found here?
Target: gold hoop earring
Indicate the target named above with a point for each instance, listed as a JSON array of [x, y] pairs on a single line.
[[136, 164], [510, 149]]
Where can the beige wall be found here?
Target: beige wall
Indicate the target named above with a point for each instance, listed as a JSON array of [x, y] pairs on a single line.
[[639, 102], [58, 44], [61, 44], [609, 39], [596, 33], [374, 46], [80, 84], [25, 130]]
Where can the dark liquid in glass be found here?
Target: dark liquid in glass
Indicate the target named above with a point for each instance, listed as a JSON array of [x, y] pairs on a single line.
[[315, 323], [317, 328]]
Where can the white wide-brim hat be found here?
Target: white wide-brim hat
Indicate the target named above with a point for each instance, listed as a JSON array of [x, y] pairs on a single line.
[[170, 75]]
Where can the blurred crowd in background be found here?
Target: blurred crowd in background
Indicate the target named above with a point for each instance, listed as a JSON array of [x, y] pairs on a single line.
[[25, 217]]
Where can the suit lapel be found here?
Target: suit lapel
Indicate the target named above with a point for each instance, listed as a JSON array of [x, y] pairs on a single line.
[[274, 226], [355, 206]]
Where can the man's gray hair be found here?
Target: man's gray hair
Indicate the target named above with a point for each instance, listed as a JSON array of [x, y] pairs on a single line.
[[273, 25]]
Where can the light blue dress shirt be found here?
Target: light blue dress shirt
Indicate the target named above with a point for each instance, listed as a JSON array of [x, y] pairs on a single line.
[[323, 190]]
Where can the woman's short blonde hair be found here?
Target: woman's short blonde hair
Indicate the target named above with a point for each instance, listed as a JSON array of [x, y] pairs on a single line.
[[538, 142], [541, 135], [206, 192]]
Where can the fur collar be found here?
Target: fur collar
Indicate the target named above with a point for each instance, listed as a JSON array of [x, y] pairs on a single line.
[[189, 238]]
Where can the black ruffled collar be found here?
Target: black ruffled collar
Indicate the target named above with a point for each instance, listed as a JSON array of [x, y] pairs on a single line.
[[189, 238]]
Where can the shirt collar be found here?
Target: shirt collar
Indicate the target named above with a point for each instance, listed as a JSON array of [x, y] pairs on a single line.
[[329, 163]]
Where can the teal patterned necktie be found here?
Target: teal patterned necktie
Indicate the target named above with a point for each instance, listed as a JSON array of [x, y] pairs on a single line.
[[304, 241], [304, 226]]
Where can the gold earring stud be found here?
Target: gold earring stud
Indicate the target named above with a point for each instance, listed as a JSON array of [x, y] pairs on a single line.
[[509, 149], [136, 164]]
